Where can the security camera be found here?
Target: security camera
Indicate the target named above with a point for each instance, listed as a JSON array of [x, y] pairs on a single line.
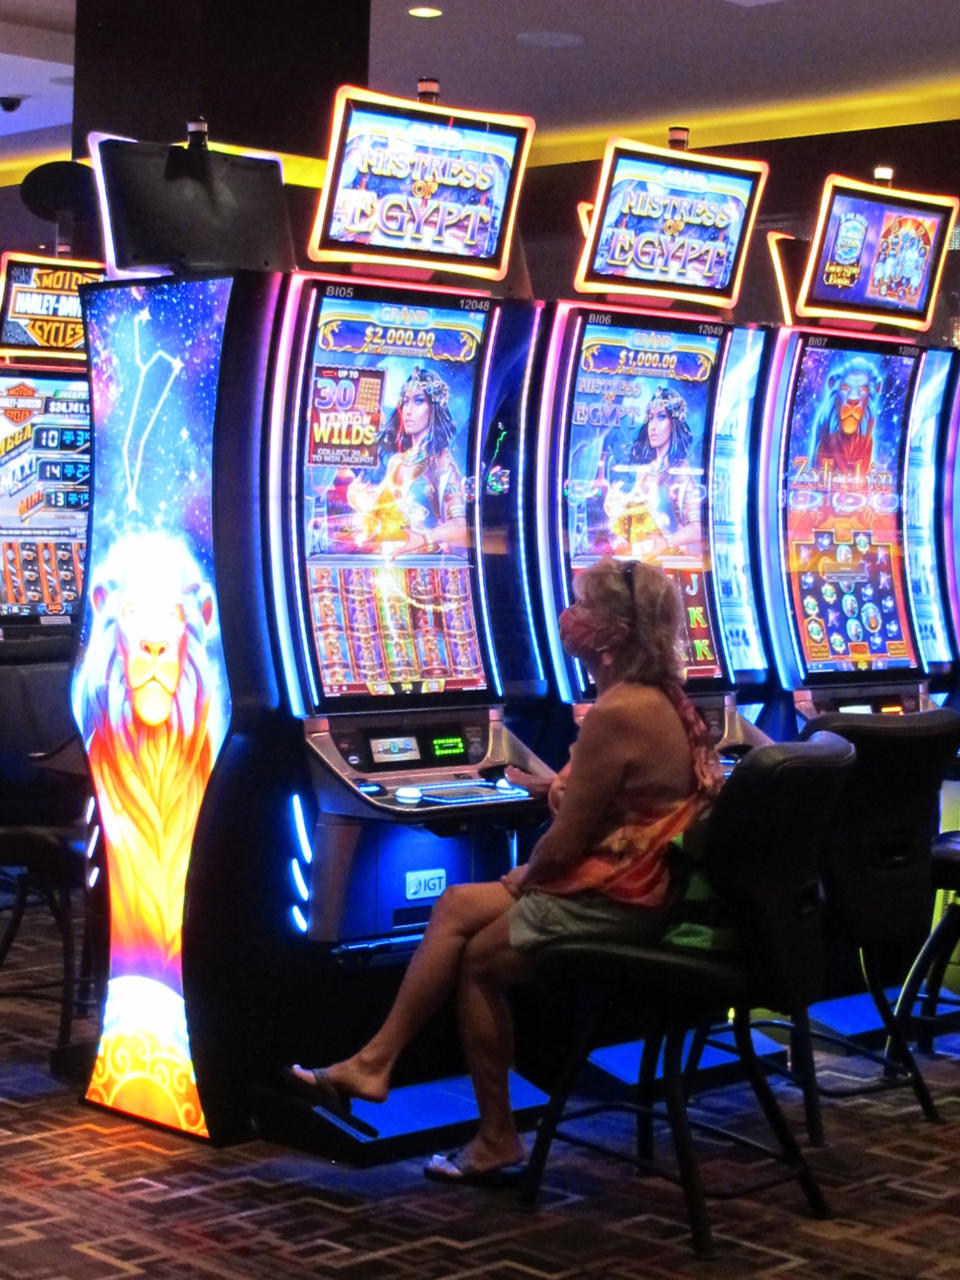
[[11, 102]]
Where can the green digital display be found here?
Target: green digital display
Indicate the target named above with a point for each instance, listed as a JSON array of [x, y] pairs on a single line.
[[445, 747]]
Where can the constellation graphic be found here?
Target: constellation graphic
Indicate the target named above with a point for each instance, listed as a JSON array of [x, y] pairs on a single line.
[[175, 366]]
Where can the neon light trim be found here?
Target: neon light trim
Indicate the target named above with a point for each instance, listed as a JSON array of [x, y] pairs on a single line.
[[773, 244], [912, 607], [521, 488], [275, 525], [481, 580], [299, 919], [544, 514], [951, 492], [726, 666], [299, 822], [303, 893], [785, 655]]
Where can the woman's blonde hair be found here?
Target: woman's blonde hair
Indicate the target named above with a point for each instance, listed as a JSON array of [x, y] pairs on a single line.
[[639, 613]]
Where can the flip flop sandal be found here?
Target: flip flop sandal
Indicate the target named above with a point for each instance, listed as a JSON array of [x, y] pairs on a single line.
[[322, 1092], [453, 1168]]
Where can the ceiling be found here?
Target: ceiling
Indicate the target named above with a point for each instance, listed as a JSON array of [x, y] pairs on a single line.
[[732, 70]]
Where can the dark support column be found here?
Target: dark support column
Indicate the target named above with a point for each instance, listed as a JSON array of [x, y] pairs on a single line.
[[263, 74]]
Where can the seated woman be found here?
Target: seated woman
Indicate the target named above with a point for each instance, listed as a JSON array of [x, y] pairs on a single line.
[[641, 773]]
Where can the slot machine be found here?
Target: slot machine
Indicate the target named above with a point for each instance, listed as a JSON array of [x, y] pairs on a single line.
[[312, 492], [164, 694], [44, 515], [640, 452], [44, 455], [851, 564], [396, 535]]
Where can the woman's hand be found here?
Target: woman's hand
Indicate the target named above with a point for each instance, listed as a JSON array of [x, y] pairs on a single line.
[[536, 785], [513, 880]]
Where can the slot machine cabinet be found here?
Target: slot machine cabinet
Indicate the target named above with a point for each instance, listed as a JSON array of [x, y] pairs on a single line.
[[398, 552], [173, 688], [390, 638], [667, 227], [45, 459], [222, 381], [851, 459], [44, 514]]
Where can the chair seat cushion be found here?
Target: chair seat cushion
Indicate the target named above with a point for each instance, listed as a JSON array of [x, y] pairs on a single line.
[[664, 980]]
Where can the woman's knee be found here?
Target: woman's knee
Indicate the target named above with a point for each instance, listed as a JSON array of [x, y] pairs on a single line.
[[453, 907], [467, 908]]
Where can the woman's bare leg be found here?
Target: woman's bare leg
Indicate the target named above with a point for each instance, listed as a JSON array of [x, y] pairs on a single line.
[[462, 911], [489, 966]]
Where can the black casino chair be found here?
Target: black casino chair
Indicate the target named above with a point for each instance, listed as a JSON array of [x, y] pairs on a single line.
[[761, 851], [923, 1008], [44, 791], [877, 872]]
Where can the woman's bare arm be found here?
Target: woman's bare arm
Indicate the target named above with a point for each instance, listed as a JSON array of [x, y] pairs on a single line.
[[607, 742]]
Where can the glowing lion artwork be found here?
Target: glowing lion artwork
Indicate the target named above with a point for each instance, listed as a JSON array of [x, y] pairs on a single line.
[[143, 700], [147, 698], [844, 426]]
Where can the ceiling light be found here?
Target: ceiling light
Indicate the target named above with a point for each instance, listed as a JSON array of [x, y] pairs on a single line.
[[424, 11], [550, 39]]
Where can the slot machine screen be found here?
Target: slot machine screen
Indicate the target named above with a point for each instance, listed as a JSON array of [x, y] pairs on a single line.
[[421, 184], [44, 495], [387, 476], [40, 307], [842, 506], [671, 223], [636, 459], [877, 254]]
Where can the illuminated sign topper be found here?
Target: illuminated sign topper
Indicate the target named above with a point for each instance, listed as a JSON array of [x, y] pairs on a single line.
[[877, 254], [419, 184], [40, 307], [670, 223]]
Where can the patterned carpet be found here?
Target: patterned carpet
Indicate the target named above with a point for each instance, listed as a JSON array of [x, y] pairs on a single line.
[[89, 1196]]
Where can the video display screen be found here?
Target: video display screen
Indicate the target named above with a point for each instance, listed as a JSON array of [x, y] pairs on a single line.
[[842, 508], [876, 254], [44, 493], [387, 483], [418, 183], [40, 307], [671, 222], [636, 459]]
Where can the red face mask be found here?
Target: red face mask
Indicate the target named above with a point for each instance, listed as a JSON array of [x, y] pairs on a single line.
[[578, 633]]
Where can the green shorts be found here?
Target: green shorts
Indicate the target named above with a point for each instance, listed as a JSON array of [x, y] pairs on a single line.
[[538, 918]]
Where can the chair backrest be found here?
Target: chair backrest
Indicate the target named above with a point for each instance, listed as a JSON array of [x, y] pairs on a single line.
[[876, 874], [762, 850]]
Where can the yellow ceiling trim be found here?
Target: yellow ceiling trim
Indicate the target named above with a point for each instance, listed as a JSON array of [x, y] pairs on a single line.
[[902, 104], [298, 171]]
